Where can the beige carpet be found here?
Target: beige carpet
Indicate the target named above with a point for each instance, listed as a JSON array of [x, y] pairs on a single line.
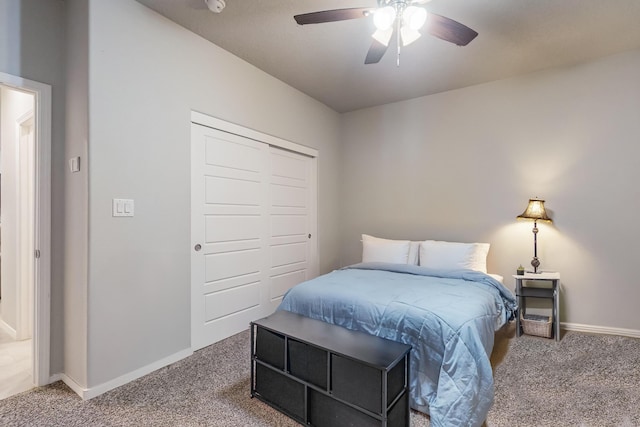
[[584, 380]]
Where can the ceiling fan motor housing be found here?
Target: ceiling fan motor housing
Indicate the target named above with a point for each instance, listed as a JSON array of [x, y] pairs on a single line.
[[400, 3]]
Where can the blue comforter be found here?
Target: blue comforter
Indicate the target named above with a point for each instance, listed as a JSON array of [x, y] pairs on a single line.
[[449, 317]]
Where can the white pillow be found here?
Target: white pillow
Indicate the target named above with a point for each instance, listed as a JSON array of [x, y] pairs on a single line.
[[383, 250], [498, 277], [414, 252], [453, 255]]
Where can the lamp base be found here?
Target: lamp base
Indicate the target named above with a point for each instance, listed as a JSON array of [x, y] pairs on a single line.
[[535, 263]]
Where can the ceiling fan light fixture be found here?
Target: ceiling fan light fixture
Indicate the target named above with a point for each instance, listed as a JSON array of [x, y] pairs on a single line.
[[414, 17], [383, 18], [383, 36], [399, 19], [409, 35]]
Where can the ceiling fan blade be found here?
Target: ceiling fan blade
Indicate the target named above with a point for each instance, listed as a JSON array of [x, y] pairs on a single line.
[[376, 52], [449, 30], [381, 39], [333, 15]]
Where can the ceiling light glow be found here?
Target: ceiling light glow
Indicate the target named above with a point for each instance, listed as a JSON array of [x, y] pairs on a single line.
[[414, 17], [408, 35], [383, 18], [383, 37]]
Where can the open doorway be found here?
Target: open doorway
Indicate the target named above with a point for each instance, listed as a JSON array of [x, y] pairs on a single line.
[[17, 192], [24, 234]]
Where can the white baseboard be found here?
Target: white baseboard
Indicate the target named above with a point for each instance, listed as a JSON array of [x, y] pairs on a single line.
[[578, 327], [55, 377], [8, 329], [77, 388], [90, 393]]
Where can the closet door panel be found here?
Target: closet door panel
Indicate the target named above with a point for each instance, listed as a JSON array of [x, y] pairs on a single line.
[[289, 210], [229, 219], [253, 226]]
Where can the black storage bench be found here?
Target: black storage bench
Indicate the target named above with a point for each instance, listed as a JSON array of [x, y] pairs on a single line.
[[325, 375]]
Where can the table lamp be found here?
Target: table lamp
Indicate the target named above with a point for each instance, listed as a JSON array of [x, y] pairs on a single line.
[[535, 211]]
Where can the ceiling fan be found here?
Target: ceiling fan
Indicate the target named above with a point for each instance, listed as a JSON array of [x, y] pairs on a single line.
[[400, 17]]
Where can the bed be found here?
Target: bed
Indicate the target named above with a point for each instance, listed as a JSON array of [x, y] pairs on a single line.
[[448, 316]]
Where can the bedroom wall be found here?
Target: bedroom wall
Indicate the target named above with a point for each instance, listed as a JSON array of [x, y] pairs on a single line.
[[461, 165], [32, 46], [145, 76], [76, 200]]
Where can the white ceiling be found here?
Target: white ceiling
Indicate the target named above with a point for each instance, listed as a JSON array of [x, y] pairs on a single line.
[[326, 61]]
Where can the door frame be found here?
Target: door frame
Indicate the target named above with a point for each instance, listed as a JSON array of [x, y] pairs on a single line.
[[41, 344]]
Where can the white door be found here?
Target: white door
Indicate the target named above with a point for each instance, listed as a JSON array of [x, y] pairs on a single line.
[[240, 233], [291, 222], [26, 232]]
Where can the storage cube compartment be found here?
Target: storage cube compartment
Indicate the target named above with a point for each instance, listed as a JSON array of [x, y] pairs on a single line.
[[327, 412], [398, 415], [356, 383], [280, 391], [270, 348], [308, 363], [396, 381]]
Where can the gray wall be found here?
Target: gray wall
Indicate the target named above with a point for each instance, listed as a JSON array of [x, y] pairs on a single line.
[[76, 197], [145, 76], [32, 46], [461, 166]]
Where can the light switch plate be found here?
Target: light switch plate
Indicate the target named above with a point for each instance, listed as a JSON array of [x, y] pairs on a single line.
[[74, 164], [122, 207]]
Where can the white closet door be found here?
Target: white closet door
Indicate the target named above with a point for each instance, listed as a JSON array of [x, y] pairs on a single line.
[[229, 198], [253, 230], [292, 223]]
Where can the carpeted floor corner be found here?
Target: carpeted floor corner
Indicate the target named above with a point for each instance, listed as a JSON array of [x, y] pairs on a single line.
[[583, 380]]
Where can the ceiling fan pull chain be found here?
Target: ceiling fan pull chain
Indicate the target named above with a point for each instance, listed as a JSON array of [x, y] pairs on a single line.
[[398, 39]]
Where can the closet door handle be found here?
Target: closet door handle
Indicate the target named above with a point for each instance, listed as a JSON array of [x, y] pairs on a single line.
[[197, 247]]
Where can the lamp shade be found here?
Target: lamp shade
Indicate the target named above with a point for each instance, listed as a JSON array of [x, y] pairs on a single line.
[[535, 211]]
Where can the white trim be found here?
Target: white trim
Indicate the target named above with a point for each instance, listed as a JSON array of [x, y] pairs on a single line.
[[90, 393], [8, 329], [24, 320], [26, 117], [55, 377], [42, 295], [79, 390], [578, 327], [314, 268], [215, 123]]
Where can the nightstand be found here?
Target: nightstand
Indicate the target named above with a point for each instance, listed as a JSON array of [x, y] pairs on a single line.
[[525, 289]]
